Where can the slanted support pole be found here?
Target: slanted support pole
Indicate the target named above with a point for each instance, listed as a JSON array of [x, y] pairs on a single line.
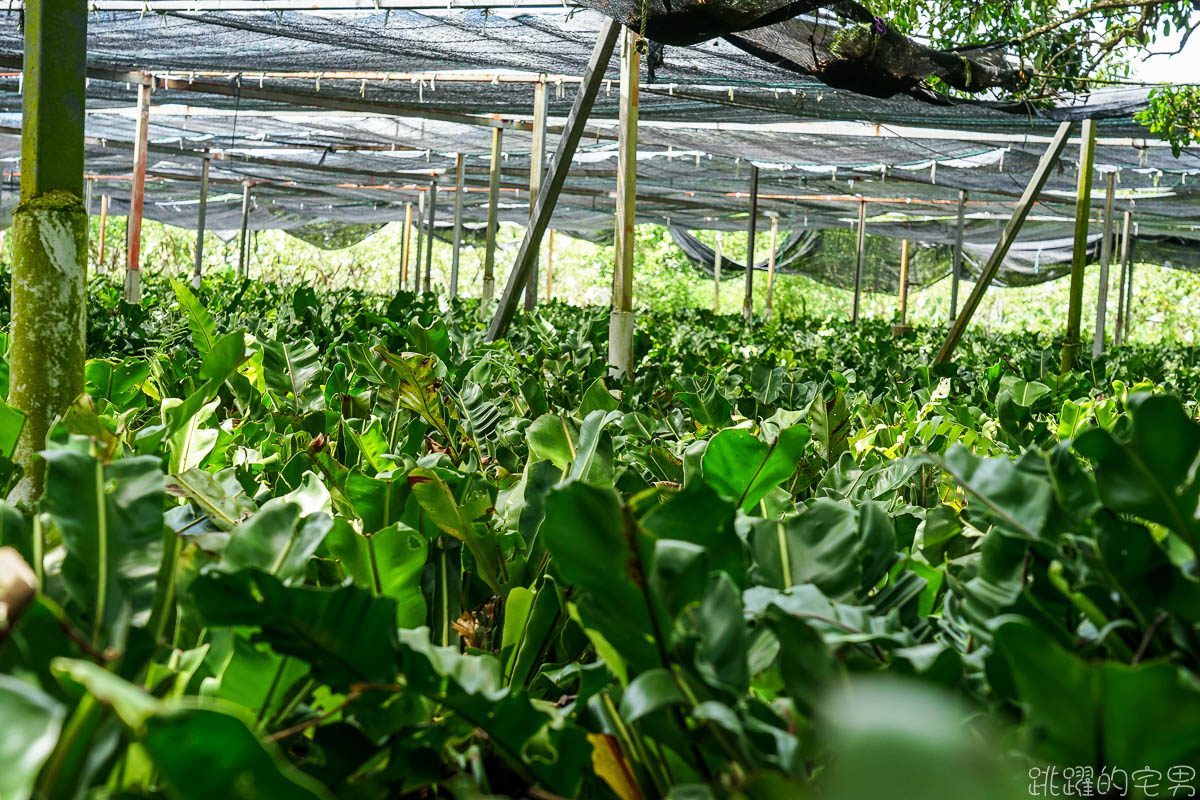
[[859, 243], [426, 284], [459, 169], [1106, 247], [620, 319], [1020, 212], [771, 261], [956, 269], [537, 166], [49, 234], [489, 251], [717, 256], [748, 300], [405, 246], [593, 76], [201, 219], [1122, 309], [133, 288], [904, 255], [243, 233], [1083, 207], [101, 267]]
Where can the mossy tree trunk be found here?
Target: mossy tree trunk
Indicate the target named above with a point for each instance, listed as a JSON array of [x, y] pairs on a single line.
[[49, 242]]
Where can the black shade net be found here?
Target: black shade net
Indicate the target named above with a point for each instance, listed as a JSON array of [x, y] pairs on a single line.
[[713, 112]]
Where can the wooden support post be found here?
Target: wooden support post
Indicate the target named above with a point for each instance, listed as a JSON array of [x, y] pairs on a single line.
[[426, 285], [537, 167], [904, 254], [489, 252], [748, 300], [620, 320], [133, 288], [243, 233], [859, 244], [717, 255], [989, 270], [405, 246], [1072, 344], [459, 170], [589, 86], [550, 267], [49, 235], [1122, 309], [87, 199], [201, 220], [771, 261], [101, 266], [1129, 290], [956, 269], [1106, 247], [420, 227]]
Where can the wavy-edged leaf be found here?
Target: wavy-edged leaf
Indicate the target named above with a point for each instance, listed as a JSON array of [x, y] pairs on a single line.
[[418, 386], [204, 330], [110, 517], [1153, 472], [530, 737], [345, 634], [458, 521], [743, 468], [294, 369], [389, 562], [32, 721]]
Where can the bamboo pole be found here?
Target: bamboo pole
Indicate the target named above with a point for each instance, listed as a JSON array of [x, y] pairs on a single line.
[[1122, 310], [405, 246], [620, 320], [537, 166], [1106, 247], [1129, 290], [589, 87], [459, 170], [489, 254], [102, 267], [243, 248], [859, 243], [420, 228], [1083, 204], [771, 261], [748, 300], [201, 219], [550, 267], [429, 228], [904, 254], [49, 235], [1032, 190], [133, 288], [956, 269], [717, 275]]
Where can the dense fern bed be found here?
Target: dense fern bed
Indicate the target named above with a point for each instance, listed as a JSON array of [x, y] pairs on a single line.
[[307, 545]]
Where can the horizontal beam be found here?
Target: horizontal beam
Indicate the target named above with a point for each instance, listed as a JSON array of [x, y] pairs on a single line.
[[252, 92], [247, 90], [432, 76], [875, 130]]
